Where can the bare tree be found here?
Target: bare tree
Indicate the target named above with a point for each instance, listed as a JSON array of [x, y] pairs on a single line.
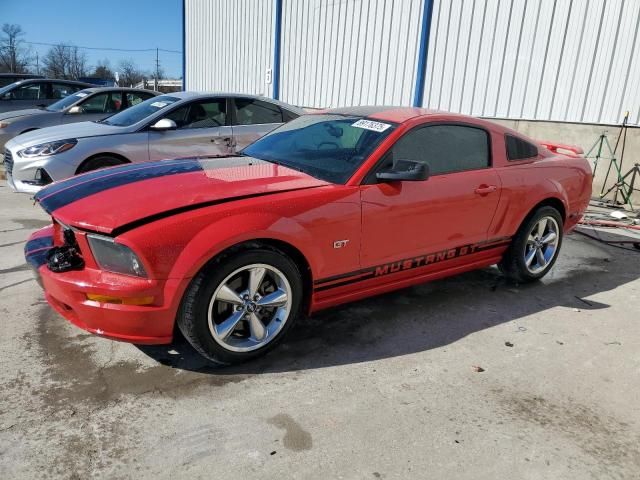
[[129, 73], [77, 63], [103, 70], [14, 56], [64, 61]]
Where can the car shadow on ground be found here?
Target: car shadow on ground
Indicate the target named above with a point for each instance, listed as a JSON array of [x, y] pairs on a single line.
[[428, 316]]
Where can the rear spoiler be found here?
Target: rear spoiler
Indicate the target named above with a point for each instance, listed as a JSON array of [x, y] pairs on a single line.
[[574, 150]]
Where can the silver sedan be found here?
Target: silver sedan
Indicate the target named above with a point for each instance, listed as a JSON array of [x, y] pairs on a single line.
[[175, 125], [86, 105]]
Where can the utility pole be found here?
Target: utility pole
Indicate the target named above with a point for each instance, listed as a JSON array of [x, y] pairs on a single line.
[[157, 71], [37, 64]]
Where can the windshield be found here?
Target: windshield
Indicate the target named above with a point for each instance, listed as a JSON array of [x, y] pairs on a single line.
[[329, 147], [4, 90], [67, 101], [141, 111]]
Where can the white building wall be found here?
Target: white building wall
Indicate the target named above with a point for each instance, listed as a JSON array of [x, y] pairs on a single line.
[[562, 60], [349, 52], [229, 45]]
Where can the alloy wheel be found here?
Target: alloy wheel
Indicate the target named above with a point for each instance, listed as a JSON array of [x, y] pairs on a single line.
[[249, 307], [542, 244]]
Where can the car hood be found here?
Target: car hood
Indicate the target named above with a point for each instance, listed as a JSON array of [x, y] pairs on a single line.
[[23, 113], [115, 199], [71, 130]]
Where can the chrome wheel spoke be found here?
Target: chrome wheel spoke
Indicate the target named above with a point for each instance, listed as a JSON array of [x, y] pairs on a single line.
[[226, 294], [229, 325], [530, 256], [258, 332], [540, 257], [278, 298], [542, 226], [549, 237], [256, 275]]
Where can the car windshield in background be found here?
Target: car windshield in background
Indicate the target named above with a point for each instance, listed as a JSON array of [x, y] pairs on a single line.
[[139, 112], [4, 90], [329, 147], [67, 101]]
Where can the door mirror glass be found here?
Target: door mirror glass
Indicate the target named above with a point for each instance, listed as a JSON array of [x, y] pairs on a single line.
[[75, 109], [164, 124], [404, 171]]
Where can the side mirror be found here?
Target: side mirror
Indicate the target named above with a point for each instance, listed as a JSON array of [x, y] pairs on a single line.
[[163, 125], [75, 109], [404, 171], [6, 96]]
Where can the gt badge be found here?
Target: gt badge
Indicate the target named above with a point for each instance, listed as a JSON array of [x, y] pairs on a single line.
[[340, 243]]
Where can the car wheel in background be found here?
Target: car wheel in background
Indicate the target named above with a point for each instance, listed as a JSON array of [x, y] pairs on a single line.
[[101, 161], [241, 305], [535, 247]]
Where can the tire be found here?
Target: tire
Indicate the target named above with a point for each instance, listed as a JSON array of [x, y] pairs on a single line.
[[206, 320], [529, 258], [101, 161]]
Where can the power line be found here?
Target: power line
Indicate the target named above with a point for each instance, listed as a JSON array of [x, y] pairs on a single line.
[[105, 48]]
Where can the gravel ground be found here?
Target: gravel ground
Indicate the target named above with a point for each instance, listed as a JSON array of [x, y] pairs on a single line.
[[382, 388]]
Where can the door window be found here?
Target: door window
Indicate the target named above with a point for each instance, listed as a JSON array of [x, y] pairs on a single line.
[[134, 98], [62, 90], [205, 114], [444, 148], [31, 91], [254, 112], [110, 102]]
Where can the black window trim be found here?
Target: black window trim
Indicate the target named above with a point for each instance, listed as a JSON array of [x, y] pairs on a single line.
[[370, 177], [519, 160]]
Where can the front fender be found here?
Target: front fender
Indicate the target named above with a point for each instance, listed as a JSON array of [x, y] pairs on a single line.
[[233, 230]]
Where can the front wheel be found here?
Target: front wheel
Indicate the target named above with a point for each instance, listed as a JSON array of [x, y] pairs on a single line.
[[240, 306], [535, 247], [102, 161]]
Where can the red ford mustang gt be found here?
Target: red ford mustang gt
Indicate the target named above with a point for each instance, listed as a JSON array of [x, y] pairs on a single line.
[[329, 208]]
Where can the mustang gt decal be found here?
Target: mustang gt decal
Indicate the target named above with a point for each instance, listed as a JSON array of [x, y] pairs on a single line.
[[408, 264]]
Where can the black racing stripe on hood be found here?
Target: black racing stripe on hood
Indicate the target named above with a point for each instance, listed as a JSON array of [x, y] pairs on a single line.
[[187, 208], [99, 181]]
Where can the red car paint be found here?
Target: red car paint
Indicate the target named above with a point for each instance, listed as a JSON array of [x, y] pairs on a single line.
[[397, 234]]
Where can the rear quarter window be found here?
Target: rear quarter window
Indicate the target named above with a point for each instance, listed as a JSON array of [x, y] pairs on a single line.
[[519, 149]]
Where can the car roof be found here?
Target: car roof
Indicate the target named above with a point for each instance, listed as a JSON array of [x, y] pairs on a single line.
[[50, 80], [389, 113], [190, 95], [111, 89]]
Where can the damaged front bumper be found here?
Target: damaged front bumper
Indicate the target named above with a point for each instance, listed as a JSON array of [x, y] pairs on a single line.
[[68, 293]]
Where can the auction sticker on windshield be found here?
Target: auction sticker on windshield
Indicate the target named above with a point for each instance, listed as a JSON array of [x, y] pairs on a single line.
[[371, 125]]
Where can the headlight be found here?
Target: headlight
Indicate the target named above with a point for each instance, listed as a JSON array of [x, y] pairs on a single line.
[[49, 148], [115, 257]]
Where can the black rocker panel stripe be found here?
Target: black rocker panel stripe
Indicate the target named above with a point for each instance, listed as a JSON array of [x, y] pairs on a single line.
[[407, 264], [107, 179]]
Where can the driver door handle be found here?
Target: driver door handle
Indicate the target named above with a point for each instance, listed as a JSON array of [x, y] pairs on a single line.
[[485, 189]]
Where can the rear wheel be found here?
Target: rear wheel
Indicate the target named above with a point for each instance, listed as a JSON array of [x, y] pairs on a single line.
[[240, 306], [101, 161], [535, 247]]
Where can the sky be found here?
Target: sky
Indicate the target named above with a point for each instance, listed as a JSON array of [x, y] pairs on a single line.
[[132, 24]]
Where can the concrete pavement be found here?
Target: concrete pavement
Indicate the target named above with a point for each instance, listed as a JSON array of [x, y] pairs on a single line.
[[382, 388]]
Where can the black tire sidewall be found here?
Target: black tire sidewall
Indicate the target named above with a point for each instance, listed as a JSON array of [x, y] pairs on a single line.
[[211, 278], [96, 163], [518, 245]]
